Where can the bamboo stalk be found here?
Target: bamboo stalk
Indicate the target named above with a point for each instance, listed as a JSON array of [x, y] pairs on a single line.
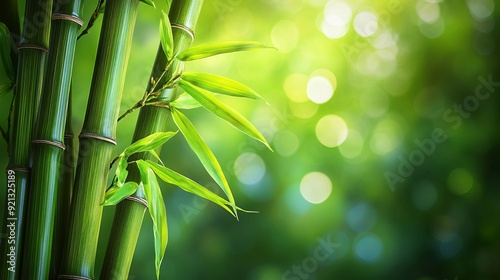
[[64, 194], [33, 46], [129, 213], [97, 138], [48, 146]]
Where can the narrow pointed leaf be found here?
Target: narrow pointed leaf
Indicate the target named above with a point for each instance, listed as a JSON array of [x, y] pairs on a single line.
[[5, 59], [149, 142], [166, 38], [157, 210], [121, 172], [149, 2], [185, 101], [201, 149], [116, 194], [211, 49], [188, 185], [219, 84], [156, 156], [214, 105]]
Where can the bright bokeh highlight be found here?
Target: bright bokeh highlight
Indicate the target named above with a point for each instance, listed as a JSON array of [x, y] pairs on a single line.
[[331, 131], [315, 187]]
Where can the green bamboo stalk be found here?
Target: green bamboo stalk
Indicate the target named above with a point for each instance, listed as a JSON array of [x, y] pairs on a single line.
[[97, 138], [129, 213], [64, 194], [33, 47], [48, 145]]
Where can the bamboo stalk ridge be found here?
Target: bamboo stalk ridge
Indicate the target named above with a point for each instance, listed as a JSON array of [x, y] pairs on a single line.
[[129, 213], [33, 46], [97, 139], [48, 145]]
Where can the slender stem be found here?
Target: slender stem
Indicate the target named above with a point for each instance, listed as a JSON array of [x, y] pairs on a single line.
[[97, 138], [129, 214], [33, 44], [93, 18]]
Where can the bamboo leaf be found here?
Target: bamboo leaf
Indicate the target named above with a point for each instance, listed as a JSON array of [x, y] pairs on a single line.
[[201, 149], [211, 49], [166, 38], [121, 172], [116, 194], [149, 2], [188, 185], [5, 59], [214, 105], [219, 84], [156, 156], [149, 142], [157, 210], [185, 101]]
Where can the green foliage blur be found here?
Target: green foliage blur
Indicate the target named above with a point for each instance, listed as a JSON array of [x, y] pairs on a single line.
[[382, 119]]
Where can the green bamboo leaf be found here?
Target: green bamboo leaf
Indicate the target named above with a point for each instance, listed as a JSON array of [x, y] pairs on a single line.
[[223, 111], [116, 194], [5, 59], [149, 2], [121, 172], [157, 210], [219, 84], [201, 149], [185, 101], [153, 153], [188, 185], [166, 38], [149, 142], [211, 49]]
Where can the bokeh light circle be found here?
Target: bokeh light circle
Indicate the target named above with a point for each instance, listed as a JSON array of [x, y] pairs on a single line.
[[368, 248], [286, 143], [481, 9], [331, 131], [353, 145], [460, 181], [249, 168], [315, 187], [365, 24], [319, 89]]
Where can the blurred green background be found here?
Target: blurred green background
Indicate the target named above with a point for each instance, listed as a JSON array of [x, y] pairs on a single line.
[[383, 118]]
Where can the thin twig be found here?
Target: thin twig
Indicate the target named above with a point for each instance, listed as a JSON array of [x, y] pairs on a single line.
[[151, 93], [93, 18]]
